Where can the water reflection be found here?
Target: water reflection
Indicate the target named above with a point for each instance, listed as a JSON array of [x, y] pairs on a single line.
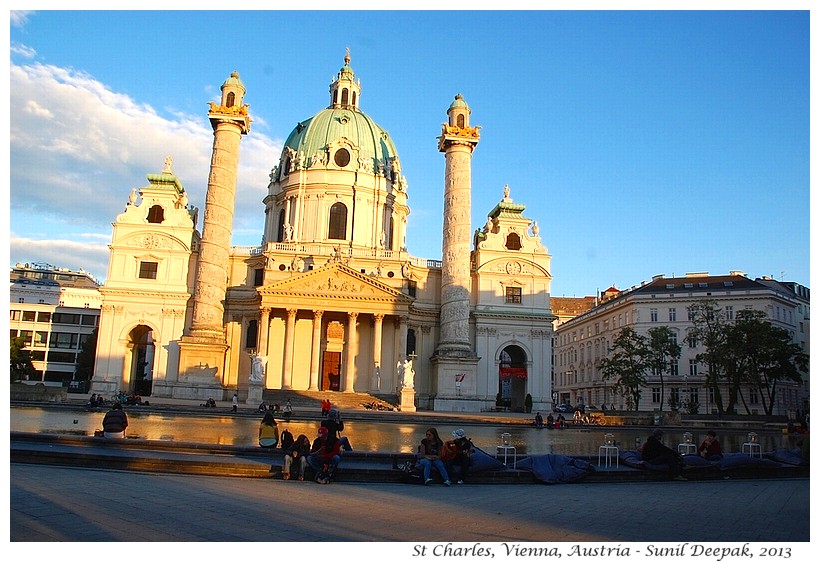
[[386, 436]]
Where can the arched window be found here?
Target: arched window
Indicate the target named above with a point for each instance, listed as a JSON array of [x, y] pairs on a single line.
[[280, 232], [460, 120], [411, 342], [337, 225], [390, 236], [354, 99], [251, 334], [335, 97], [344, 96], [156, 214], [513, 241], [230, 99]]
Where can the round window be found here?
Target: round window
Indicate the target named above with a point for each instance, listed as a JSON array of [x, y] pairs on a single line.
[[342, 157]]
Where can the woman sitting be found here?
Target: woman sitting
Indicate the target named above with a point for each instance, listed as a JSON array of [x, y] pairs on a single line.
[[268, 431], [297, 453], [429, 454]]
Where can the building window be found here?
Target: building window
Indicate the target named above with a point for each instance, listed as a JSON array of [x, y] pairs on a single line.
[[40, 339], [673, 367], [156, 214], [653, 314], [513, 241], [65, 318], [693, 342], [29, 316], [513, 295], [230, 99], [411, 288], [15, 315], [63, 340], [693, 368], [337, 226], [673, 315], [250, 335], [258, 277], [90, 320], [656, 395], [148, 270], [693, 395], [730, 313], [342, 157]]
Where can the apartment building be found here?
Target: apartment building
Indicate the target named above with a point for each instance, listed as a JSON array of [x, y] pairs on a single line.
[[55, 310], [581, 342]]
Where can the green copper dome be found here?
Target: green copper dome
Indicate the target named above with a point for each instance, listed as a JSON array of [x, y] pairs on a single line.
[[343, 123], [329, 125]]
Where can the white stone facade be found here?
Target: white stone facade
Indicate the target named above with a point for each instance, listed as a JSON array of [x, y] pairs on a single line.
[[331, 300]]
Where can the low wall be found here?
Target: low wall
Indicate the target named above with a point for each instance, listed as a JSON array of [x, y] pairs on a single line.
[[38, 393]]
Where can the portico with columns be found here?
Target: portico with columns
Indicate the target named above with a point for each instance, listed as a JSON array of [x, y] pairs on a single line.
[[330, 329]]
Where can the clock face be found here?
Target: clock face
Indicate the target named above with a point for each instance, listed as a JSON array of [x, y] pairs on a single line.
[[513, 267]]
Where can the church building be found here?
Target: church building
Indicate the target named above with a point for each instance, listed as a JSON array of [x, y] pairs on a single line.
[[331, 300]]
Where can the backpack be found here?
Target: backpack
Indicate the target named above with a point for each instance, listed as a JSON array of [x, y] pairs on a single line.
[[286, 439]]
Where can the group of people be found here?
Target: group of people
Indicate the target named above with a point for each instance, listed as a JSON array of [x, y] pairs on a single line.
[[655, 452], [445, 456], [323, 455], [551, 423]]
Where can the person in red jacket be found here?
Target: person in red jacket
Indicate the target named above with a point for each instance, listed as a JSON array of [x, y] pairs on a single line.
[[325, 455], [710, 448]]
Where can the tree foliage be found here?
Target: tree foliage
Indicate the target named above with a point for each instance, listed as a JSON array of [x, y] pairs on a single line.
[[709, 330], [662, 348], [627, 365], [20, 367], [760, 355], [84, 369]]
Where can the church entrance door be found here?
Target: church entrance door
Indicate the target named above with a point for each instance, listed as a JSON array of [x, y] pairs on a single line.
[[331, 371]]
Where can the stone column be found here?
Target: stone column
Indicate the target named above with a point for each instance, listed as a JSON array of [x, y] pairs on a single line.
[[316, 350], [378, 319], [287, 363], [263, 332], [458, 140], [203, 346], [455, 358], [350, 351]]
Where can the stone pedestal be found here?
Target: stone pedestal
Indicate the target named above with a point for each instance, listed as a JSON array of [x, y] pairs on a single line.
[[254, 394], [407, 400]]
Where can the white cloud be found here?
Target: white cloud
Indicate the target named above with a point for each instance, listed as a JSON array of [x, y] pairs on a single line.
[[18, 18], [78, 148], [23, 50], [89, 256]]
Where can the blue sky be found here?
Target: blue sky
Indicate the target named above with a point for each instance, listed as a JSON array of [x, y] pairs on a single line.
[[643, 143]]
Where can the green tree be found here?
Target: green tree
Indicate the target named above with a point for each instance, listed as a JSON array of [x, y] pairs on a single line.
[[84, 369], [662, 348], [627, 365], [21, 367], [709, 329], [762, 355]]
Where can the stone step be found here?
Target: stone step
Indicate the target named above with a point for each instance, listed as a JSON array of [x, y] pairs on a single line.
[[308, 399]]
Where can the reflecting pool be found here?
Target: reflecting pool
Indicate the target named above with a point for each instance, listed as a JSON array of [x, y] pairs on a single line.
[[372, 436]]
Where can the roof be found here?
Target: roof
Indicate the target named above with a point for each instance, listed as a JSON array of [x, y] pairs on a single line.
[[313, 135]]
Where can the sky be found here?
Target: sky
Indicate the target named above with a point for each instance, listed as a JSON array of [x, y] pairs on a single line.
[[642, 142]]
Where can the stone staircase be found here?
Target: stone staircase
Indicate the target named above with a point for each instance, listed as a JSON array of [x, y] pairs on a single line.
[[312, 400]]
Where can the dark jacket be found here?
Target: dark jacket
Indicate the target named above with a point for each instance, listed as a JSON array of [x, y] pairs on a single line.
[[115, 421], [654, 449]]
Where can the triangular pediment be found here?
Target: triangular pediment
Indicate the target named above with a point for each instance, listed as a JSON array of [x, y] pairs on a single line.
[[335, 282]]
